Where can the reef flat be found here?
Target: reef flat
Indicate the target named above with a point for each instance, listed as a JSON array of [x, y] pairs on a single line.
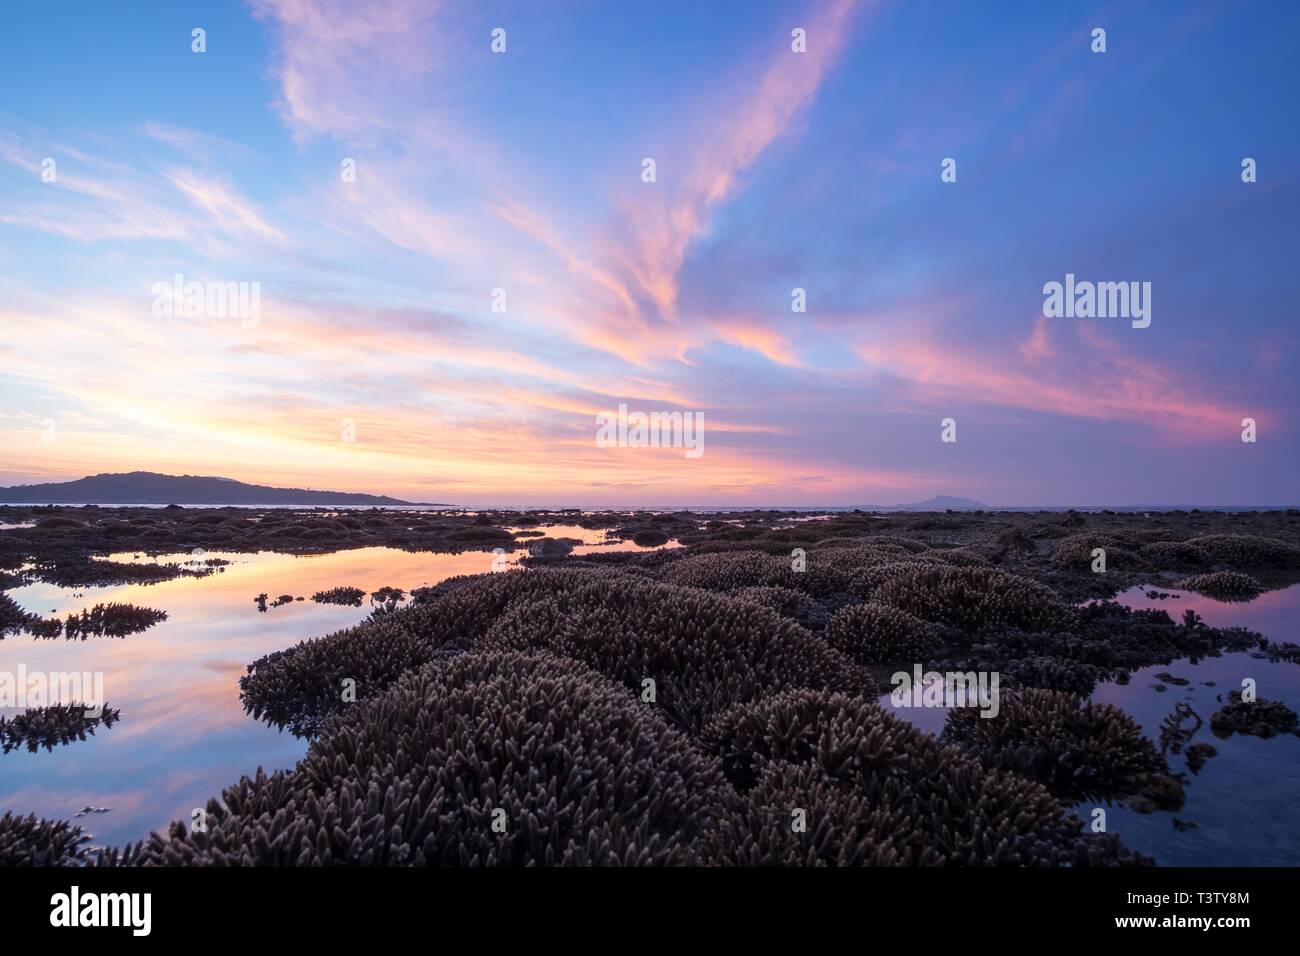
[[713, 703]]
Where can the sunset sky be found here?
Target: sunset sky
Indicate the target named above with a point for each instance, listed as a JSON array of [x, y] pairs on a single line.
[[776, 170]]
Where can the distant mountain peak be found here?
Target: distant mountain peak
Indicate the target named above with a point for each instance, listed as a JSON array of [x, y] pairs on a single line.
[[153, 488], [941, 503]]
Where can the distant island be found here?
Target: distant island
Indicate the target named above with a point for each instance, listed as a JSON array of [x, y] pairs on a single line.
[[151, 488], [938, 503]]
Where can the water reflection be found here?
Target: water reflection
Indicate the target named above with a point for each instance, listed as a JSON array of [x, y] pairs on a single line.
[[183, 733], [1243, 800]]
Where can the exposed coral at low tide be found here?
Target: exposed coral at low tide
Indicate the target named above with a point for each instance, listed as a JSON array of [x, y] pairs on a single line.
[[1076, 749], [345, 596], [1107, 641], [111, 620], [15, 620], [689, 705], [1256, 718], [874, 789], [1223, 585], [486, 759], [971, 598], [102, 620], [52, 726], [880, 634], [28, 841]]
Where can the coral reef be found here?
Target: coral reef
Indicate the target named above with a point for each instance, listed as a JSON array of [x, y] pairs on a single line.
[[1248, 551], [787, 602], [348, 597], [52, 726], [14, 620], [705, 704], [971, 598], [28, 841], [481, 760], [1076, 749], [1107, 641], [111, 620], [874, 788], [879, 634], [1223, 585], [704, 652], [1256, 718]]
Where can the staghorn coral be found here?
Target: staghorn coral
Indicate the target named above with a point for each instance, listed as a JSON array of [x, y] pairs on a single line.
[[1076, 749], [28, 841], [1198, 754], [877, 789], [1257, 718], [300, 687], [52, 726], [387, 598], [962, 557], [111, 620], [705, 652], [341, 595], [482, 760], [1013, 539], [879, 634], [1075, 553], [731, 571], [1223, 585], [1176, 555], [14, 620], [788, 603], [649, 538], [840, 827], [971, 599], [1249, 551], [1106, 641]]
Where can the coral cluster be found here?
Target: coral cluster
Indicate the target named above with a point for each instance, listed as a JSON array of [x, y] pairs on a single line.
[[52, 726], [1223, 585], [348, 597], [870, 788], [879, 634], [970, 598], [28, 841], [1078, 750], [1257, 718], [111, 620], [484, 759]]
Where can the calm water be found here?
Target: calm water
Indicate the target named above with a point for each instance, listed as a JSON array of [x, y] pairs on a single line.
[[1243, 800], [183, 734]]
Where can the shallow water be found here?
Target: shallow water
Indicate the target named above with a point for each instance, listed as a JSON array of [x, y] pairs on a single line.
[[183, 733], [1243, 800]]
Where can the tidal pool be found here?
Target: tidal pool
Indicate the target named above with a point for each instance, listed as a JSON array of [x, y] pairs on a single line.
[[183, 733], [1243, 800]]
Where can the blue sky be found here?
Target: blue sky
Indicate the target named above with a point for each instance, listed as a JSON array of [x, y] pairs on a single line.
[[775, 170]]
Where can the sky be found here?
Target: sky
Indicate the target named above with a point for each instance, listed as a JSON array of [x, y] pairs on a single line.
[[448, 323]]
